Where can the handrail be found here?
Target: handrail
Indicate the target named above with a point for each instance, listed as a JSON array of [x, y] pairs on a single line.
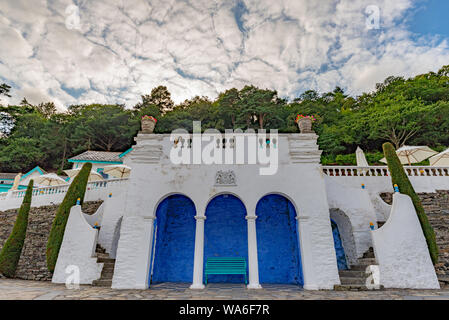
[[41, 191], [382, 171]]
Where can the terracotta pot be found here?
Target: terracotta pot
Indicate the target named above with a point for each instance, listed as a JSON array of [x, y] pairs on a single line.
[[305, 125], [148, 125]]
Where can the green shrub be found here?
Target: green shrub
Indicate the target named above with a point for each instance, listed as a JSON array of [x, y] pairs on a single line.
[[76, 190], [10, 254], [346, 159], [399, 177]]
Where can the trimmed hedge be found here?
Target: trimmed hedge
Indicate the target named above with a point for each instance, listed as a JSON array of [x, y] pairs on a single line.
[[10, 254], [399, 177], [76, 190]]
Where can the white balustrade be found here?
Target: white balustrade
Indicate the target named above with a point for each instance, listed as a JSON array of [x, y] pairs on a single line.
[[382, 171]]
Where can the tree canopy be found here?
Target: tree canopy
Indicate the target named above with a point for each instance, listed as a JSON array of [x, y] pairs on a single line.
[[400, 111]]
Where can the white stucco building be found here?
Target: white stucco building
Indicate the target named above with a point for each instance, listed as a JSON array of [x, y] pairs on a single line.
[[297, 222]]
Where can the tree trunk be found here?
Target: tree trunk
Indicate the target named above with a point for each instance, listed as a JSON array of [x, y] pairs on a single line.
[[261, 116]]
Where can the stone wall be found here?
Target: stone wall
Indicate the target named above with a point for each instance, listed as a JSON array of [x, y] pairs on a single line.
[[436, 206], [32, 263]]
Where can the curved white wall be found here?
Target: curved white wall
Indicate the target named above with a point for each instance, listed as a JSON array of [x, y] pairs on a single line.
[[401, 249]]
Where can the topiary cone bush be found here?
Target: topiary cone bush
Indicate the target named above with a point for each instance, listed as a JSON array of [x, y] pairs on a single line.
[[76, 190], [10, 254], [399, 177]]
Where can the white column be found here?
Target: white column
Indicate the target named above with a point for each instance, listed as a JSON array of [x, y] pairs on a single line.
[[143, 265], [199, 254], [306, 254], [253, 265]]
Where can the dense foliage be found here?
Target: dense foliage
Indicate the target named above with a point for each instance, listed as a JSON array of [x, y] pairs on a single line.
[[76, 191], [399, 177], [402, 111], [10, 254]]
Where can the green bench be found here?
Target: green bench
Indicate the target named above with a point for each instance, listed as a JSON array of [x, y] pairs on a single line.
[[225, 266]]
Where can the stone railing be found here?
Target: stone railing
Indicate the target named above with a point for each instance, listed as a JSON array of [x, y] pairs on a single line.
[[382, 171], [43, 191], [54, 195]]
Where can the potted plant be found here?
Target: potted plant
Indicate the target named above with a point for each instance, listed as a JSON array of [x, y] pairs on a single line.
[[148, 124], [305, 123]]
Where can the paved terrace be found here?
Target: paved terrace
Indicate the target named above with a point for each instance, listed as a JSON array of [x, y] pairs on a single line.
[[39, 290]]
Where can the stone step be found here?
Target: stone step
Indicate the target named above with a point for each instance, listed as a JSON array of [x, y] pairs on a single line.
[[361, 267], [350, 287], [367, 261], [105, 260], [107, 275], [353, 273], [100, 249], [352, 281], [102, 283], [354, 287], [108, 266]]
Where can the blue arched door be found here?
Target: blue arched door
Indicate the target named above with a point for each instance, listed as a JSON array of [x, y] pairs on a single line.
[[174, 240], [339, 250], [278, 251], [225, 233]]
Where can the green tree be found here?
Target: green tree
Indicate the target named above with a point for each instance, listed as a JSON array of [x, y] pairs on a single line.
[[76, 191], [102, 127], [160, 97], [4, 90], [11, 251], [400, 178]]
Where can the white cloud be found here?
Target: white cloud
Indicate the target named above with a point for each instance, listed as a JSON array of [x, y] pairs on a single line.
[[201, 47]]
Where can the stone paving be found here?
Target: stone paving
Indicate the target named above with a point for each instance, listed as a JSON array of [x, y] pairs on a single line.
[[41, 290]]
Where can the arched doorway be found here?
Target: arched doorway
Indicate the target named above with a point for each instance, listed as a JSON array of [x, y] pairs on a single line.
[[174, 241], [278, 251], [339, 250], [346, 233], [225, 233]]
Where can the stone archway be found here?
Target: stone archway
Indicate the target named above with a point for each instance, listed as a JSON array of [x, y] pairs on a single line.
[[279, 256], [345, 229], [174, 238], [225, 233]]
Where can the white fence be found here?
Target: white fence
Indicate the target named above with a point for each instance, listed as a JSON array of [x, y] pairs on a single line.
[[382, 171], [54, 195]]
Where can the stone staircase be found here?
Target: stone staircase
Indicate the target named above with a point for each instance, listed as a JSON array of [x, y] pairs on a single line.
[[354, 279], [108, 268]]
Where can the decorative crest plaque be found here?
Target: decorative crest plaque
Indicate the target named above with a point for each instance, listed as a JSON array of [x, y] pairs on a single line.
[[225, 178]]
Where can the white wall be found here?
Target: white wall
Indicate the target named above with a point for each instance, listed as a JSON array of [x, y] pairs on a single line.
[[154, 177], [114, 208], [401, 249], [356, 204], [78, 249]]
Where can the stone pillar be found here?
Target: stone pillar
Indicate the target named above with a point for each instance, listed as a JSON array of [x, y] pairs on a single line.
[[253, 265], [306, 254], [199, 254], [143, 273]]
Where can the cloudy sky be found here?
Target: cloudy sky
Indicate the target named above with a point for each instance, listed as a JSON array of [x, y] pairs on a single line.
[[112, 51]]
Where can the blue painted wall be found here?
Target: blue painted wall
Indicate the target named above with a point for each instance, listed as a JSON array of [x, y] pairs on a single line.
[[175, 240], [225, 233], [277, 241], [339, 250]]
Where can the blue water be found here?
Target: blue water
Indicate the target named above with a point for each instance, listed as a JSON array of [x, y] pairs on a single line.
[[6, 187]]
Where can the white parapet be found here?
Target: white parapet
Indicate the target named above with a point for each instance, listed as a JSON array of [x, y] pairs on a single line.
[[78, 251], [401, 249]]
